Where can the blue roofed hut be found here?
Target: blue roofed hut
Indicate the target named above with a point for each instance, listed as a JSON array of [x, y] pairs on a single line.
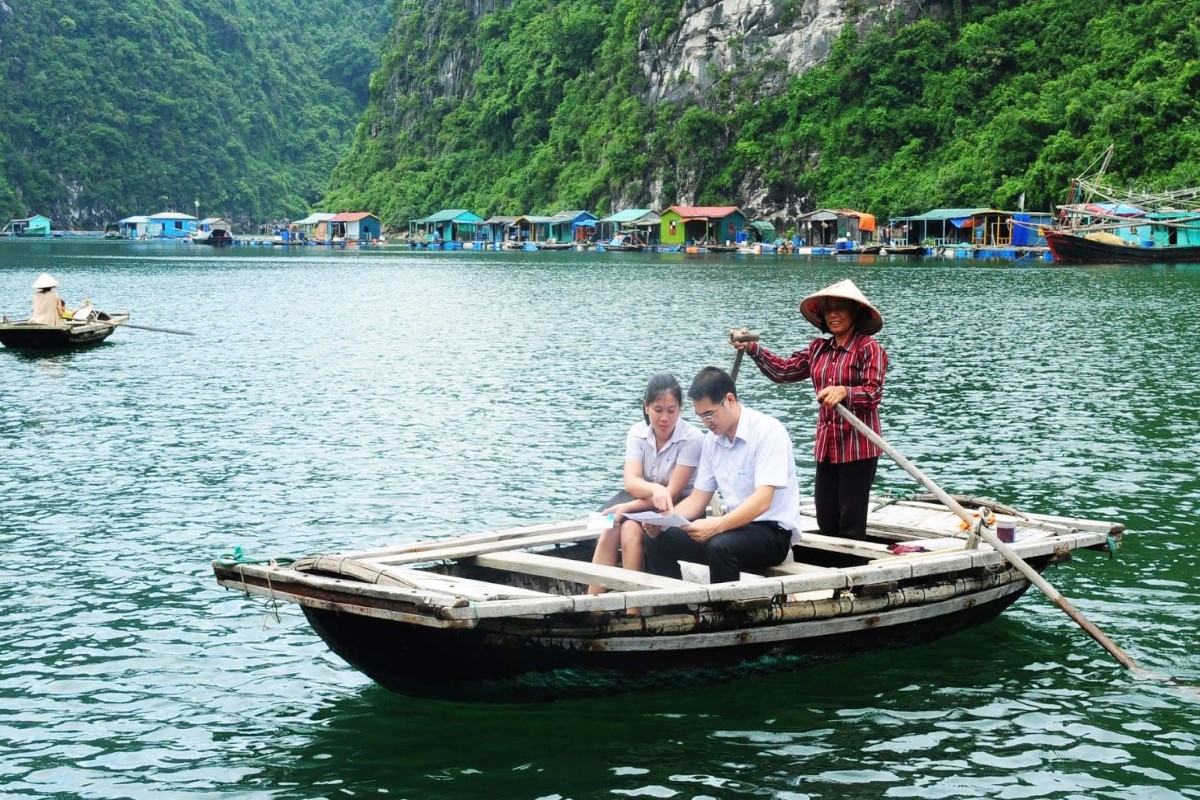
[[947, 227], [572, 227]]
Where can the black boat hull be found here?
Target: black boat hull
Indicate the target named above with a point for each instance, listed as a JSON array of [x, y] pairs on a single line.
[[498, 665], [38, 337], [1068, 248]]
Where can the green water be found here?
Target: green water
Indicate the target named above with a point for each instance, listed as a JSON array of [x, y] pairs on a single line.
[[342, 400]]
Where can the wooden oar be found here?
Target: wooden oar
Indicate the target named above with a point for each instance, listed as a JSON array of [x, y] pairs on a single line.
[[148, 328], [740, 335], [1029, 572]]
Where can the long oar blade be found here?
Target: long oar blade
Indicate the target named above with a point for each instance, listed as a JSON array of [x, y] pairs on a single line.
[[1003, 549], [156, 330]]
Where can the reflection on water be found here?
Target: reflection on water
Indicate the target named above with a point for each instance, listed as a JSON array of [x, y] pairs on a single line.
[[349, 400]]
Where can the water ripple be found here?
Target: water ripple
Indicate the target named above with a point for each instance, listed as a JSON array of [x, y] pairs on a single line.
[[339, 400]]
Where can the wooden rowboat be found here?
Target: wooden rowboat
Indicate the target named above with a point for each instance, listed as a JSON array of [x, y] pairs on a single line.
[[23, 334], [506, 614]]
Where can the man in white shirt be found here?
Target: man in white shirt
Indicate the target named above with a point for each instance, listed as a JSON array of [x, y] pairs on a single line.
[[747, 456]]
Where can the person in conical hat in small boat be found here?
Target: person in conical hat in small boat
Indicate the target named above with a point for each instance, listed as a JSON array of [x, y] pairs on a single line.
[[48, 307], [847, 367]]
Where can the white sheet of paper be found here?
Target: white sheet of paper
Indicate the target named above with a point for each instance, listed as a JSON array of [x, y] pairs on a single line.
[[662, 520]]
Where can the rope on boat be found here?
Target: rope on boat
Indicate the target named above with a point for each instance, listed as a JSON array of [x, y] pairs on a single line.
[[238, 556], [968, 501], [891, 498]]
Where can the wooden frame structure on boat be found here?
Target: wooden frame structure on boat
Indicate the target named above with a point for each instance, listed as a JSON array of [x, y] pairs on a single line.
[[506, 614]]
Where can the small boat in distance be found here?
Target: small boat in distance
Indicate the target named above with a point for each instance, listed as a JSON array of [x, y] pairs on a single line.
[[506, 615], [217, 237], [623, 242], [72, 333], [916, 250]]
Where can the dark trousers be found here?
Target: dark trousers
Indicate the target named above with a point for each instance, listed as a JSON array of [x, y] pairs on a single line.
[[841, 493], [752, 548]]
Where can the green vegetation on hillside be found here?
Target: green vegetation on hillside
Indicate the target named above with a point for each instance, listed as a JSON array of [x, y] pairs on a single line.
[[114, 108], [998, 99]]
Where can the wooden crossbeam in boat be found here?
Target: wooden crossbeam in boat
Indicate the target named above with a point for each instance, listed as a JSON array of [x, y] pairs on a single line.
[[837, 544], [464, 587], [578, 571], [479, 538], [456, 550]]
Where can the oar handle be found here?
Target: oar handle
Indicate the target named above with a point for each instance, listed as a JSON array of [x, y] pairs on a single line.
[[742, 334], [1000, 547]]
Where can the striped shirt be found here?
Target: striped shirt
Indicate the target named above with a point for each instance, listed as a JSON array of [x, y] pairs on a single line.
[[859, 365]]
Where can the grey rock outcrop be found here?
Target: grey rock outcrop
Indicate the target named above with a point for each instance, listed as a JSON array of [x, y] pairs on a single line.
[[716, 35]]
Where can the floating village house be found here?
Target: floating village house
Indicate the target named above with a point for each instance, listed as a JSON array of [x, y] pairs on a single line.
[[37, 225], [163, 225], [823, 227], [170, 225], [314, 227], [762, 231], [971, 227], [499, 229], [709, 224], [572, 226], [355, 226], [532, 228], [134, 227], [211, 225], [642, 221], [451, 226]]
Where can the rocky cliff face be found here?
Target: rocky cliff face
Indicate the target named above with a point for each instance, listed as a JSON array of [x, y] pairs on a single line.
[[716, 35]]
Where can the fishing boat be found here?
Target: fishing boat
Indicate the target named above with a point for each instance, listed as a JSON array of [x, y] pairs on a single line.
[[623, 242], [917, 250], [93, 329], [1106, 248], [506, 615], [217, 237], [1100, 224]]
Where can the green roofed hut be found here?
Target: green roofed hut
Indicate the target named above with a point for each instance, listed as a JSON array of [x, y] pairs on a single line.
[[643, 222], [448, 229], [762, 231], [714, 226], [35, 226], [946, 227]]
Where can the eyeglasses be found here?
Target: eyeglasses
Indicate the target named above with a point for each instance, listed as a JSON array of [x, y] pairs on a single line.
[[708, 416]]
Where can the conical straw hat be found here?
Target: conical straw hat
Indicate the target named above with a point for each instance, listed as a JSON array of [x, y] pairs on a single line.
[[45, 281], [868, 321]]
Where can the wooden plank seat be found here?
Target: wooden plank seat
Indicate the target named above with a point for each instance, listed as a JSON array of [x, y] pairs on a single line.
[[836, 544], [585, 572]]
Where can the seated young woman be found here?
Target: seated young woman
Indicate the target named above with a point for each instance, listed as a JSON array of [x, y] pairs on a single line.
[[661, 455]]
